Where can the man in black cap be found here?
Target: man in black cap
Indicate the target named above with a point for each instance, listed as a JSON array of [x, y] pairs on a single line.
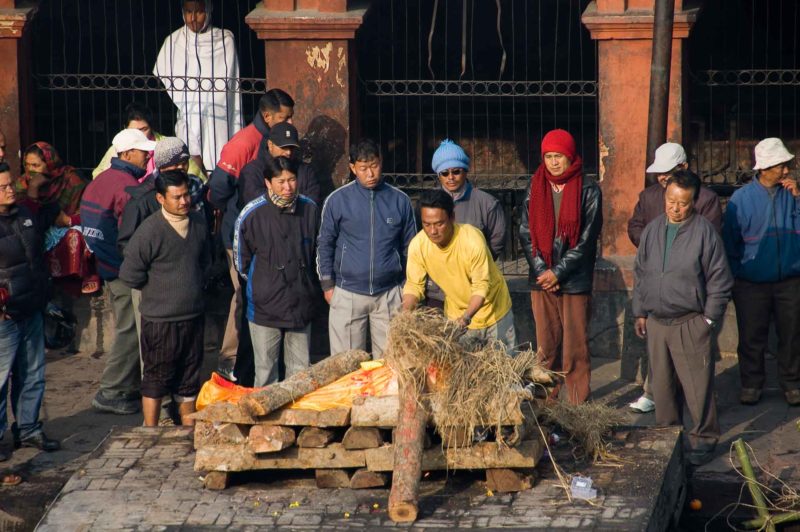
[[283, 141]]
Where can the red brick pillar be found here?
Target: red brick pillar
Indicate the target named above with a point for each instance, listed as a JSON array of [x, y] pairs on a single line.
[[15, 88], [624, 31], [309, 54]]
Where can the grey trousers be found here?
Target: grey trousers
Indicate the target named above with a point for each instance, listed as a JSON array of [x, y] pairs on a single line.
[[267, 342], [122, 374], [351, 315], [682, 370], [230, 341], [503, 331]]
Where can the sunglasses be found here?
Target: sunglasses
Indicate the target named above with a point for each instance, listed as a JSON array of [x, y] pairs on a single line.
[[455, 171]]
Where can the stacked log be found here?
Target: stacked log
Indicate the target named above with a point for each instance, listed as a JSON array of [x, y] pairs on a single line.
[[347, 448]]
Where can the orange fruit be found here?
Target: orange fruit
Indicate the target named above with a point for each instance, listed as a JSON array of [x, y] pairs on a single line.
[[695, 504]]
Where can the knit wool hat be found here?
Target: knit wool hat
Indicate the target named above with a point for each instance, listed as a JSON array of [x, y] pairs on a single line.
[[559, 141], [170, 151], [449, 155], [771, 152]]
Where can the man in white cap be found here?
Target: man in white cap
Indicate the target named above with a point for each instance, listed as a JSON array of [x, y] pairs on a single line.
[[670, 157], [102, 204], [762, 240]]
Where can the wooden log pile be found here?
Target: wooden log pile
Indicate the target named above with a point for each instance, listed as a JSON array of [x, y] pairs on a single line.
[[354, 447]]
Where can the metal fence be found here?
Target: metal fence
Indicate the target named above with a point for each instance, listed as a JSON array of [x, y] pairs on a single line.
[[91, 58], [745, 78], [493, 76]]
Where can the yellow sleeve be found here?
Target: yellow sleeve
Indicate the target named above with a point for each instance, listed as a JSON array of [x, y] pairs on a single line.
[[415, 270], [105, 162], [479, 265]]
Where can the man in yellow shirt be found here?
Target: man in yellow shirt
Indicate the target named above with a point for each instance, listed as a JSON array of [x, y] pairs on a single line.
[[456, 258]]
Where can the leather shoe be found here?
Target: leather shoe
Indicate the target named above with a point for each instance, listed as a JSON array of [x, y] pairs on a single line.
[[750, 396], [39, 441]]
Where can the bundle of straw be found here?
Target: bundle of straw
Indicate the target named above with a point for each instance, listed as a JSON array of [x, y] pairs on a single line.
[[476, 384], [588, 424]]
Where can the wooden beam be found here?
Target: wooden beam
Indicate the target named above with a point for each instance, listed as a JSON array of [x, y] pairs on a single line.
[[364, 479], [216, 480], [315, 437], [375, 411], [270, 438], [332, 478], [241, 458], [486, 455], [362, 438]]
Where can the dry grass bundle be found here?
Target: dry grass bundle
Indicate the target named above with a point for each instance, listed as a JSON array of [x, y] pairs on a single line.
[[589, 424], [475, 386]]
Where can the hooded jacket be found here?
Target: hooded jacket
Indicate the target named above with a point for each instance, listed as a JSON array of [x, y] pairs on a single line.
[[574, 267]]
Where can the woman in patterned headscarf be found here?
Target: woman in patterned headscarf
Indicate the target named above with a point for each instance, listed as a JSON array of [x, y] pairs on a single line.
[[48, 180]]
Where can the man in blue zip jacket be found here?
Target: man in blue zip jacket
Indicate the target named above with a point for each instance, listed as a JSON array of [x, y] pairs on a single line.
[[363, 241], [762, 239]]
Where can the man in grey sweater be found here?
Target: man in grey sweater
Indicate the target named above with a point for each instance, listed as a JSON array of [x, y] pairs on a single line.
[[473, 206], [682, 287], [167, 259]]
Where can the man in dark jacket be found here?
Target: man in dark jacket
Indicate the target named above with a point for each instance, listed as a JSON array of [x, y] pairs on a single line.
[[274, 250], [23, 297], [366, 228], [560, 225], [102, 205], [167, 259], [682, 287], [670, 158], [283, 141], [274, 107], [762, 239]]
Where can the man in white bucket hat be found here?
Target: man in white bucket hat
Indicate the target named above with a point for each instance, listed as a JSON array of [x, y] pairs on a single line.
[[762, 240], [669, 158]]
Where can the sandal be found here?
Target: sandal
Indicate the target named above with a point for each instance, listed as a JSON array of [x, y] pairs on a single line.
[[10, 479]]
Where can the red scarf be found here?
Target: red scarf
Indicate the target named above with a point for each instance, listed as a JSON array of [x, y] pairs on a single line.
[[541, 216]]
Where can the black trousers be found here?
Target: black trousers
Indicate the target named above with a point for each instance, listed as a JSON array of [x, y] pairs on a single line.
[[172, 357], [757, 304]]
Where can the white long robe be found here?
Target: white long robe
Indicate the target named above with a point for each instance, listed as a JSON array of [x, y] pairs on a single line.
[[194, 68]]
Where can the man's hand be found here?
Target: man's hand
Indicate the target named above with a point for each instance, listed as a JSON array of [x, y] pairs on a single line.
[[790, 184], [62, 220], [640, 327], [548, 281], [328, 295]]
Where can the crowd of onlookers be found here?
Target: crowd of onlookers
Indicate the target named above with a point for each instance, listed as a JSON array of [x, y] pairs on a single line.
[[149, 224]]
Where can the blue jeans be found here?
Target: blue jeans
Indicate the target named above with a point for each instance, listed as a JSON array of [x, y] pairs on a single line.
[[22, 355]]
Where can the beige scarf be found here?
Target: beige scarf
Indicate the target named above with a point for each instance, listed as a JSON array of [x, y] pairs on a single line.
[[178, 222]]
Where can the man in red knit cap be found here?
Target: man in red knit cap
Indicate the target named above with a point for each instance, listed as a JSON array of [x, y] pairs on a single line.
[[560, 225]]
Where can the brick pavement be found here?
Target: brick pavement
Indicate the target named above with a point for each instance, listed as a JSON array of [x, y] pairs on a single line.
[[143, 479]]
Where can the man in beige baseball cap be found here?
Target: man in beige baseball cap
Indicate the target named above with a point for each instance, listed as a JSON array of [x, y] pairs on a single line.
[[762, 241]]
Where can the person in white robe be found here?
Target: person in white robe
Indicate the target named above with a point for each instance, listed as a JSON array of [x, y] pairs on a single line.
[[199, 68]]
